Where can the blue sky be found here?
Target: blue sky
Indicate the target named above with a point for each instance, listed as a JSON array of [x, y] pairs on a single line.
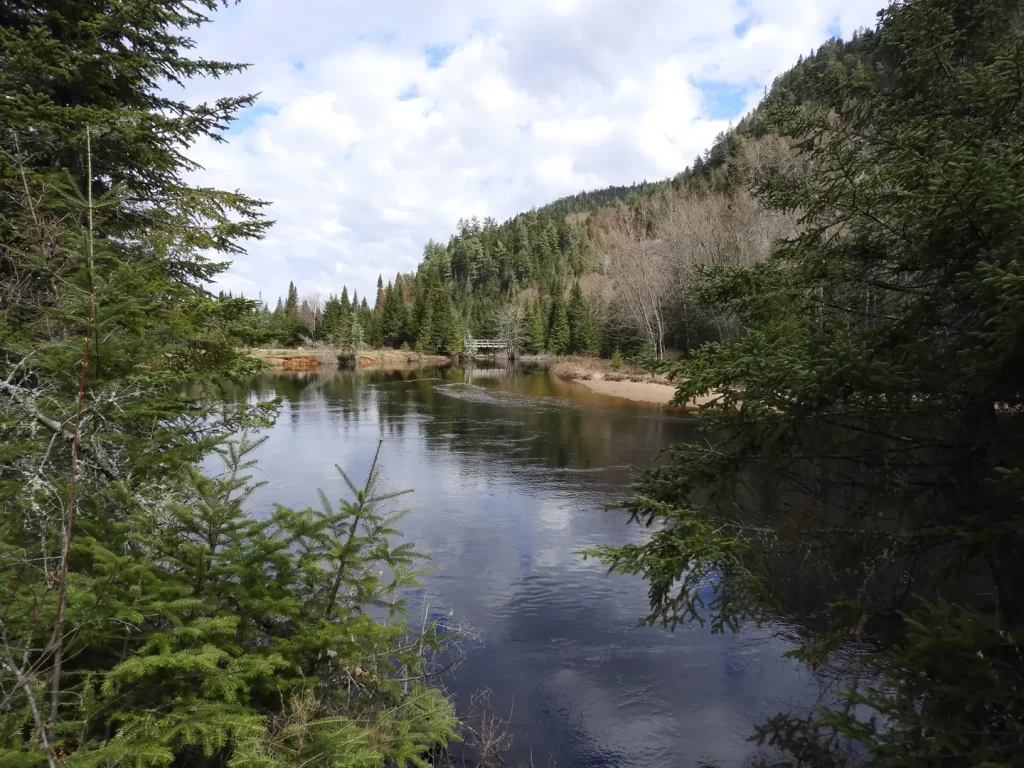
[[380, 125], [436, 54], [725, 100]]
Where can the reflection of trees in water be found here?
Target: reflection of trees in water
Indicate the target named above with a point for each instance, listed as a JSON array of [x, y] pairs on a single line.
[[503, 415], [520, 426], [839, 511], [832, 521], [510, 426], [529, 427]]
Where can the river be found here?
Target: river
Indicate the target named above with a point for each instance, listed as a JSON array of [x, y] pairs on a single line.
[[511, 470]]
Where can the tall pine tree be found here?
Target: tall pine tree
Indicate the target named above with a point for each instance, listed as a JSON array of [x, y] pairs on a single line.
[[582, 333], [537, 341], [558, 327]]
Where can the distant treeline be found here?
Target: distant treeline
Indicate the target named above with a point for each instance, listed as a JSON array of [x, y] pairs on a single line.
[[573, 257]]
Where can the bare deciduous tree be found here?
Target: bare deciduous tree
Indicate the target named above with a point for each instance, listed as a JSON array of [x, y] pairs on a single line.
[[638, 268], [512, 327], [701, 230], [655, 253], [769, 155], [310, 314]]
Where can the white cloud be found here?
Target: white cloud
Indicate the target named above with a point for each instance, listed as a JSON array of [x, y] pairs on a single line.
[[379, 125]]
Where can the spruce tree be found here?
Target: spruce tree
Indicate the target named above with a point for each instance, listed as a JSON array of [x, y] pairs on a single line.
[[421, 319], [522, 264], [456, 328], [355, 338], [378, 305], [113, 326], [874, 402], [558, 327], [333, 321], [147, 618], [291, 306], [441, 319], [372, 332], [538, 329], [392, 318], [582, 334], [291, 328]]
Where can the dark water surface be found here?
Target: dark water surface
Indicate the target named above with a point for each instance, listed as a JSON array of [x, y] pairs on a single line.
[[510, 472]]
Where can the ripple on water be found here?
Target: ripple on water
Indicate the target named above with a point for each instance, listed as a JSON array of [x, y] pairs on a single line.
[[503, 398], [505, 500]]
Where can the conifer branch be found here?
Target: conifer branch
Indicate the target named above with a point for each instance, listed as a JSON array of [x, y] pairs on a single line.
[[24, 398], [62, 596]]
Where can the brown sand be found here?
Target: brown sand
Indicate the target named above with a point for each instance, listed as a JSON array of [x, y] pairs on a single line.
[[627, 382], [641, 391]]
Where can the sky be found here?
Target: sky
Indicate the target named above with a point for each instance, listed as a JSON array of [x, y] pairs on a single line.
[[379, 125]]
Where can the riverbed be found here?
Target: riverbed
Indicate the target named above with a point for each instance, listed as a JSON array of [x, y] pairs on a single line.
[[512, 470]]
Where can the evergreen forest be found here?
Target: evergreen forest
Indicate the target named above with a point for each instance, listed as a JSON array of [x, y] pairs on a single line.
[[841, 273]]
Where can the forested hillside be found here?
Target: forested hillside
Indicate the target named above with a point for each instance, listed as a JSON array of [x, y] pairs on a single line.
[[591, 273], [595, 198]]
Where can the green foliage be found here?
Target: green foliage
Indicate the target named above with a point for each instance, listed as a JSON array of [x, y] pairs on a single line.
[[291, 304], [421, 319], [440, 318], [582, 330], [597, 198], [868, 417], [453, 344], [616, 335], [617, 360], [925, 711], [356, 338], [537, 340], [239, 637], [146, 618], [479, 267], [694, 572], [373, 331], [558, 337], [393, 317]]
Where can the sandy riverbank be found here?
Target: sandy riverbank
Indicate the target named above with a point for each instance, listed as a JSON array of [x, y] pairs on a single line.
[[627, 382], [640, 391]]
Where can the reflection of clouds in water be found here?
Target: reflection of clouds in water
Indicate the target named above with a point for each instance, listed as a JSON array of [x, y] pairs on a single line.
[[503, 501], [554, 514]]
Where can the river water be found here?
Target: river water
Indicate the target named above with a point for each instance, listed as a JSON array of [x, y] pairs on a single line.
[[511, 471]]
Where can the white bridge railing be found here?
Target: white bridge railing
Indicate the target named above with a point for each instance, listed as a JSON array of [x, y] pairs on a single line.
[[472, 346]]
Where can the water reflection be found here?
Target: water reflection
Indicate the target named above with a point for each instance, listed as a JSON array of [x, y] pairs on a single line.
[[511, 477]]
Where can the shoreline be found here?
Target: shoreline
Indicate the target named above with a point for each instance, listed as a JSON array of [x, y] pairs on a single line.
[[313, 358], [637, 391], [593, 374], [626, 382], [643, 392]]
